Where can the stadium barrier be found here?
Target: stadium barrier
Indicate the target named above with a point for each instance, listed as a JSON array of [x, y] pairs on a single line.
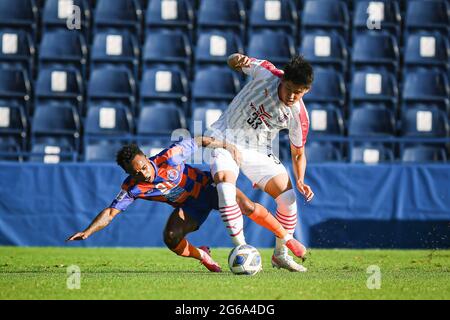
[[355, 206]]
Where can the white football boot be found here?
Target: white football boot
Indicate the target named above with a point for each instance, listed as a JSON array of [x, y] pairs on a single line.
[[285, 261]]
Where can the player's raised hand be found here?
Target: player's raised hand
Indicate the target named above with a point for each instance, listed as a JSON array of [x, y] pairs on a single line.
[[77, 236], [305, 190], [238, 61]]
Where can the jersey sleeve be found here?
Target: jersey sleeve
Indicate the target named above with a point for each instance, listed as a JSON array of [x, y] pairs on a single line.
[[298, 128], [179, 152], [261, 68], [122, 200]]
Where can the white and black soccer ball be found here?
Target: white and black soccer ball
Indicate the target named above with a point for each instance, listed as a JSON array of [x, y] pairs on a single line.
[[245, 259]]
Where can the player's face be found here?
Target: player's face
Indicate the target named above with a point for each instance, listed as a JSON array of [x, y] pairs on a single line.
[[291, 93], [141, 168]]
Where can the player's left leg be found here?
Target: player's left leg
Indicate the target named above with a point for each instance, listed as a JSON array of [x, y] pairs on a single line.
[[178, 226]]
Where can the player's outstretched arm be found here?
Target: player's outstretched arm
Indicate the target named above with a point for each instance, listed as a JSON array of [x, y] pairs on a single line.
[[101, 221], [210, 142], [237, 61]]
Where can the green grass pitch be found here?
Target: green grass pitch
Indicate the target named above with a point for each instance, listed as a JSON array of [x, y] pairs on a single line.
[[150, 273]]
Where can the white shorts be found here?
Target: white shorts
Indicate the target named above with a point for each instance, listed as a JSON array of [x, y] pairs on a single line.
[[256, 166]]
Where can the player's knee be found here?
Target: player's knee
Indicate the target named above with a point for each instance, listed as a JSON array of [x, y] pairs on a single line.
[[225, 176], [286, 202], [172, 238]]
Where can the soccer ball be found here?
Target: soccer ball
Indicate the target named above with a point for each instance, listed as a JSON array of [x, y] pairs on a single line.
[[244, 259]]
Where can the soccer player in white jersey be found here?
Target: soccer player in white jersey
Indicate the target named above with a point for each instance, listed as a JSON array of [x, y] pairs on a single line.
[[270, 102]]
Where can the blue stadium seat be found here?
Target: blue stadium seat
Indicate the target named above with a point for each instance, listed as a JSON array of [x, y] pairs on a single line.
[[60, 83], [19, 14], [195, 4], [119, 15], [112, 84], [325, 49], [15, 86], [375, 49], [326, 15], [152, 146], [374, 86], [103, 151], [226, 15], [329, 86], [167, 47], [427, 49], [214, 47], [275, 46], [58, 121], [421, 154], [10, 151], [209, 105], [371, 120], [150, 121], [17, 49], [325, 120], [203, 118], [379, 15], [428, 15], [117, 48], [13, 124], [422, 121], [176, 15], [427, 86], [371, 153], [322, 152], [275, 15], [108, 120], [215, 83], [56, 13], [51, 150], [63, 47], [164, 84]]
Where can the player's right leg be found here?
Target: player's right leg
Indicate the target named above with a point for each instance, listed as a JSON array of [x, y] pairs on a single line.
[[270, 175], [279, 187], [225, 172], [259, 214], [178, 226]]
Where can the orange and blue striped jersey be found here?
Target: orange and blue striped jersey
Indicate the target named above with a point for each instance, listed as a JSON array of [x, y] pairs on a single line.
[[175, 182]]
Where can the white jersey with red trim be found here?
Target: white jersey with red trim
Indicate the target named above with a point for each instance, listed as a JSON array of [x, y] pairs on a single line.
[[256, 115]]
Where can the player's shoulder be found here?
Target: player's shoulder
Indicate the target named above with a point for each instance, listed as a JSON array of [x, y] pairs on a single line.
[[271, 69], [300, 112], [128, 183], [296, 107]]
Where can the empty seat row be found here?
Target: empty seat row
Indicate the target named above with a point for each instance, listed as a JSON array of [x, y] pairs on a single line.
[[227, 15], [370, 153], [214, 83], [68, 48]]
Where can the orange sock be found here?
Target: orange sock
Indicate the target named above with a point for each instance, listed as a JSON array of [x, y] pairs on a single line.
[[263, 217], [185, 249]]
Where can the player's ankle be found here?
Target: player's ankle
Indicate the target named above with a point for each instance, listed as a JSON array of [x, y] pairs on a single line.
[[287, 237]]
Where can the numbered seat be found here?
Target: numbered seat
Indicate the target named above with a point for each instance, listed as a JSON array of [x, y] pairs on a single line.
[[174, 14], [325, 49]]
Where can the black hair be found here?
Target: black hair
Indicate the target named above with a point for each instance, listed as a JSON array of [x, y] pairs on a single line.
[[127, 154], [299, 71]]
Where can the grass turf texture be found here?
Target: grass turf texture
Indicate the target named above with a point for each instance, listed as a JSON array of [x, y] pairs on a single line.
[[150, 273]]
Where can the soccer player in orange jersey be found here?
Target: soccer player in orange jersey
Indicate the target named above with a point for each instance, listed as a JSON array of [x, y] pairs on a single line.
[[166, 177]]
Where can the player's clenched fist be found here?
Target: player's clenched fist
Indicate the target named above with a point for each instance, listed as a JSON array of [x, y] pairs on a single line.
[[305, 190], [238, 61]]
